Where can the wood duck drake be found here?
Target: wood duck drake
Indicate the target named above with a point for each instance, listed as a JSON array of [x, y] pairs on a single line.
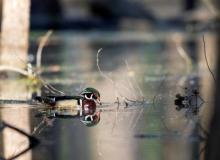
[[82, 106]]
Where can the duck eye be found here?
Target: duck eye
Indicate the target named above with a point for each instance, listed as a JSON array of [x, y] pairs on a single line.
[[94, 97], [88, 95], [89, 119]]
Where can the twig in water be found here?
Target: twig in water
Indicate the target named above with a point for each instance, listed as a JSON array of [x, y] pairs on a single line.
[[114, 86], [117, 93], [115, 121], [116, 115], [29, 72], [100, 71], [51, 88], [185, 56], [137, 119], [104, 75], [206, 133], [43, 42], [206, 59], [38, 127], [14, 69], [142, 96], [154, 99], [135, 81]]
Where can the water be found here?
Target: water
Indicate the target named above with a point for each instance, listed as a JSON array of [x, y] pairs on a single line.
[[138, 65]]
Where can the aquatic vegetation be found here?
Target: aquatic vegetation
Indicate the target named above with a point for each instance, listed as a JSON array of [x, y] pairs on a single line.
[[31, 73]]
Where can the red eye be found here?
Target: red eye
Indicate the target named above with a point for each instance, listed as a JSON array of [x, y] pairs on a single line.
[[89, 107]]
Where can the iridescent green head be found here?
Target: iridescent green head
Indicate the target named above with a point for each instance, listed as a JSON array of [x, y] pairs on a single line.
[[91, 93]]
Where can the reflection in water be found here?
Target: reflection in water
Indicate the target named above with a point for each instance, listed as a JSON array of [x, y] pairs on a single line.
[[14, 143], [32, 141], [127, 129], [191, 101]]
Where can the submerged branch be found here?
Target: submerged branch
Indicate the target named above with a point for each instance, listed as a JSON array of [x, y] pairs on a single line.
[[99, 69], [206, 59], [43, 42], [135, 81]]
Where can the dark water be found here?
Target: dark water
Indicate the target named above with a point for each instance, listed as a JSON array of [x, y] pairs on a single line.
[[137, 65]]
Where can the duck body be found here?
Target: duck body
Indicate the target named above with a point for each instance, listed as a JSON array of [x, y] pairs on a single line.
[[68, 105], [82, 106]]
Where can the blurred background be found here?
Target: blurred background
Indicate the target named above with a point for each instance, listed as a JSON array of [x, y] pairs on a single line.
[[151, 49]]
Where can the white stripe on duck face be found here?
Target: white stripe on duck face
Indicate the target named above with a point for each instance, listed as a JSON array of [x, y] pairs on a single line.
[[80, 107]]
